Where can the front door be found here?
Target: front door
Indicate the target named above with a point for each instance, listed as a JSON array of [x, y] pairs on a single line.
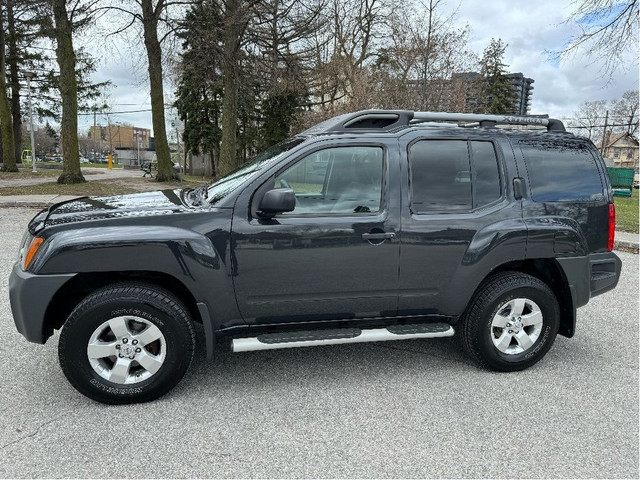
[[335, 256]]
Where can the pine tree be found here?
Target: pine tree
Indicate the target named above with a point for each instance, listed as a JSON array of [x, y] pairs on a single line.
[[494, 92]]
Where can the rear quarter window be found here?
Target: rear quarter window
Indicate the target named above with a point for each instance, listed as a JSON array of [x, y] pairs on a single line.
[[561, 171]]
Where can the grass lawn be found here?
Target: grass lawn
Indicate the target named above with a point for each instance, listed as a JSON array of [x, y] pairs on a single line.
[[627, 212], [26, 173], [90, 189], [99, 165], [147, 183]]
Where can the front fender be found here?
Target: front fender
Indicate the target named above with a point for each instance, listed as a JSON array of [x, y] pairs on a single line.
[[186, 255]]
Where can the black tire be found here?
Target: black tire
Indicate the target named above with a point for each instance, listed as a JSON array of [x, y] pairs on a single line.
[[152, 306], [476, 324]]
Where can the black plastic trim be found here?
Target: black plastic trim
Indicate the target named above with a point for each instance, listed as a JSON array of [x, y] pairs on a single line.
[[271, 338]]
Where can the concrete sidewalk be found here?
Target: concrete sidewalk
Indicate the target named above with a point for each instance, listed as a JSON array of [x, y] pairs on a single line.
[[623, 240]]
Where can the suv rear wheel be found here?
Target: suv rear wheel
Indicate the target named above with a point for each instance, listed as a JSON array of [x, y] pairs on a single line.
[[511, 322], [127, 343]]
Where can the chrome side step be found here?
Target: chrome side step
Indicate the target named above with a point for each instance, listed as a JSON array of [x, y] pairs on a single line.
[[313, 338]]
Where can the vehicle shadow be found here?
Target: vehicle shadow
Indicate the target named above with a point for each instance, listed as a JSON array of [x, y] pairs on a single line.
[[322, 365]]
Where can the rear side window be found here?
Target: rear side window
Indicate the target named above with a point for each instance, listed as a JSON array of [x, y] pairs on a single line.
[[561, 171], [453, 175]]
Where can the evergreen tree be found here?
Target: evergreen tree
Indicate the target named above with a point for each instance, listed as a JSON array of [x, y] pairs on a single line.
[[494, 92]]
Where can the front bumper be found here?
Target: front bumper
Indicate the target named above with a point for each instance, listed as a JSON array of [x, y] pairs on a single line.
[[30, 295]]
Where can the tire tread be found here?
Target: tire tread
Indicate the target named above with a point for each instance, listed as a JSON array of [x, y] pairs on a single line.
[[134, 291], [492, 286]]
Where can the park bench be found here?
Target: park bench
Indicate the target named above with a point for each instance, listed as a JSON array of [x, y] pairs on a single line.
[[147, 167]]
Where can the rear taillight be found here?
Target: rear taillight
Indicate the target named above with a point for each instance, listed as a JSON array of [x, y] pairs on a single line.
[[612, 226]]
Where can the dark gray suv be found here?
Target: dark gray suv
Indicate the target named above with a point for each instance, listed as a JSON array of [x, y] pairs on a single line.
[[371, 226]]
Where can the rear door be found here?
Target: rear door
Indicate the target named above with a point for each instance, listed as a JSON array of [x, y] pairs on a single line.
[[336, 255], [457, 211]]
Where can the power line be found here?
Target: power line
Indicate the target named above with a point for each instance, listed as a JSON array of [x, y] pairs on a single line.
[[602, 126], [117, 113]]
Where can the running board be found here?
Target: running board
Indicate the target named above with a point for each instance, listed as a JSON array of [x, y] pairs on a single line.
[[313, 338]]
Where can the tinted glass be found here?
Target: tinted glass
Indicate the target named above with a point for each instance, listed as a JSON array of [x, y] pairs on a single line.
[[561, 171], [440, 176], [486, 177], [341, 180]]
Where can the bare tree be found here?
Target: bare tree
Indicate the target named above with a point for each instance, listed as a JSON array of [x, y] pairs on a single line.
[[66, 23], [159, 20], [624, 113], [609, 33], [424, 53], [6, 122], [234, 24], [588, 120]]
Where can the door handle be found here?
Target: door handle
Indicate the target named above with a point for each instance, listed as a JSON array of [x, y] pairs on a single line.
[[378, 236], [518, 188]]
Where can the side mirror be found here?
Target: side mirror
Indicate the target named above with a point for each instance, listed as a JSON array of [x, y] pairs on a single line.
[[277, 200]]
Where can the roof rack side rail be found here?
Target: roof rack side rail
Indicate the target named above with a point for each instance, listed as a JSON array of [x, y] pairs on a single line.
[[552, 124]]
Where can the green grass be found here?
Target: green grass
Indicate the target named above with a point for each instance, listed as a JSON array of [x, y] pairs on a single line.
[[26, 173], [89, 189], [627, 212], [147, 183], [99, 165]]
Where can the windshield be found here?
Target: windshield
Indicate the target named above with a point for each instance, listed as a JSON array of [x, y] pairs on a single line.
[[223, 187]]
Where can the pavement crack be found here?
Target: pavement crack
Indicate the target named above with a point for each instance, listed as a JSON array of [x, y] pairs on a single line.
[[31, 435]]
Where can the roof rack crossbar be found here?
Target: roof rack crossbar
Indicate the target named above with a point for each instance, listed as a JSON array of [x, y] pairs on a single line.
[[552, 124], [385, 120], [480, 117]]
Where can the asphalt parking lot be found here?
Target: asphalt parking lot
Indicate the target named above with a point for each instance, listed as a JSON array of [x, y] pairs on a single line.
[[403, 409]]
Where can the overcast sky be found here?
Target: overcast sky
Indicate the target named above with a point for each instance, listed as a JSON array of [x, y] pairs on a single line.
[[529, 28]]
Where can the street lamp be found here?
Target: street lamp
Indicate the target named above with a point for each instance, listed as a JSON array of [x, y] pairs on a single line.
[[29, 75]]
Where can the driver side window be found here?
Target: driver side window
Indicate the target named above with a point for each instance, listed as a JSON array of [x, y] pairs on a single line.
[[339, 180]]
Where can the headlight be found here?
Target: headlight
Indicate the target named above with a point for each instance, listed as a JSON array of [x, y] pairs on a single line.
[[24, 245], [29, 250]]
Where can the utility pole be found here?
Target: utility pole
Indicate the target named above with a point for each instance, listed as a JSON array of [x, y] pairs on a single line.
[[95, 108], [178, 143], [138, 143], [604, 135], [29, 76]]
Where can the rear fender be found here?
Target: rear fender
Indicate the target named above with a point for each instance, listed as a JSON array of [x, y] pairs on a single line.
[[492, 246]]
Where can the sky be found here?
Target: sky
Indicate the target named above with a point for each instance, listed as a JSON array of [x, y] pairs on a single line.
[[529, 28]]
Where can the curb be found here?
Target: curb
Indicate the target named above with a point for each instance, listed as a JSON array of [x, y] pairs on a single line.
[[626, 246]]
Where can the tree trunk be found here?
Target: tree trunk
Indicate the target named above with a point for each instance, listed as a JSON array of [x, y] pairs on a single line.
[[69, 93], [12, 59], [8, 147], [228, 149], [154, 57]]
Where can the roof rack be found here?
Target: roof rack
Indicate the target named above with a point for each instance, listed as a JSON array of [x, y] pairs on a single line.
[[386, 120]]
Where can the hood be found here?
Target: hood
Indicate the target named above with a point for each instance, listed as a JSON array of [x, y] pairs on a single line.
[[162, 202]]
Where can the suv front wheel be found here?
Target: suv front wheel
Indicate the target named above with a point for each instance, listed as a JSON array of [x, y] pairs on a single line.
[[511, 322], [127, 343]]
